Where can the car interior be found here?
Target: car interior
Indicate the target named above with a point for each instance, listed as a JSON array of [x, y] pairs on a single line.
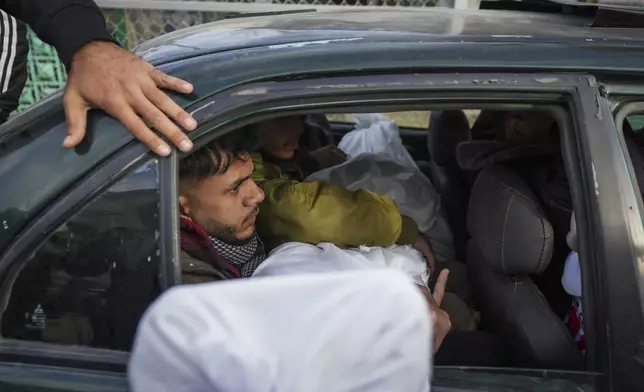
[[512, 241], [507, 203]]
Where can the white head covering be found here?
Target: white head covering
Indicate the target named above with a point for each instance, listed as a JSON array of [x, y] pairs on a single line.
[[345, 331]]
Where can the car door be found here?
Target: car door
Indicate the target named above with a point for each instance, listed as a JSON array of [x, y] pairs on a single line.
[[33, 378], [627, 102], [591, 146], [76, 280], [589, 141]]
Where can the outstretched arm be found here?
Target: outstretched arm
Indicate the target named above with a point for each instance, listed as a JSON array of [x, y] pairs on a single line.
[[67, 25]]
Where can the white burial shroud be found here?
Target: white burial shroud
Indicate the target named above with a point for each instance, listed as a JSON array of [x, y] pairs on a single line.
[[361, 330], [298, 258]]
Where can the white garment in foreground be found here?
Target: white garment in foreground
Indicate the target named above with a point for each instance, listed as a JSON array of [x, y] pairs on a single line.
[[363, 331], [299, 258]]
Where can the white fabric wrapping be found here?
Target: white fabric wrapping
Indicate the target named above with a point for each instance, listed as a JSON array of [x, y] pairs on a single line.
[[348, 331], [412, 191], [374, 134], [571, 279], [299, 258]]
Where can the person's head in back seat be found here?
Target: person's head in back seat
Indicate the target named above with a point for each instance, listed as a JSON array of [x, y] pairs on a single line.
[[518, 127], [280, 137], [280, 144], [525, 127], [219, 203]]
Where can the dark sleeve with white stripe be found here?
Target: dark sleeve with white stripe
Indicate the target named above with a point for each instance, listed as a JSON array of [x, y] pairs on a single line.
[[67, 25], [13, 63]]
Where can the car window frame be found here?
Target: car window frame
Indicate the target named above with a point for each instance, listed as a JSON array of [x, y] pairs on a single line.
[[92, 186], [230, 109], [239, 106]]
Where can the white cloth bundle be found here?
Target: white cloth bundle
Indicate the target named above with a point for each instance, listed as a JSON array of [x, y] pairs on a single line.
[[358, 331], [376, 135], [298, 258]]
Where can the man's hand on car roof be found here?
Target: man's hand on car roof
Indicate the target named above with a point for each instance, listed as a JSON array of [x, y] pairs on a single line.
[[108, 77]]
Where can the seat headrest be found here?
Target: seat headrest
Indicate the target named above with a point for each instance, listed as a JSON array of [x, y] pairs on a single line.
[[446, 130], [484, 125], [507, 223]]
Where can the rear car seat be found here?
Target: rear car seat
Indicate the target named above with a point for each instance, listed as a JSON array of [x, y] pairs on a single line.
[[446, 130], [511, 239]]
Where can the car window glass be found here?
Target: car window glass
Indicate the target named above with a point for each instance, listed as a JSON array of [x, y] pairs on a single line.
[[91, 280]]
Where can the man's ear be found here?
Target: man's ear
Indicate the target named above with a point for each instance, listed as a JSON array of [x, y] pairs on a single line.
[[184, 208]]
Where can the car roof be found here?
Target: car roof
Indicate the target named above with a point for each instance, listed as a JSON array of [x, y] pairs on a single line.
[[431, 24], [218, 56]]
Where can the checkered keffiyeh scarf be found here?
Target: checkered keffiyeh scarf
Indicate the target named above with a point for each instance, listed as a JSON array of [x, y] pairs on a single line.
[[247, 257]]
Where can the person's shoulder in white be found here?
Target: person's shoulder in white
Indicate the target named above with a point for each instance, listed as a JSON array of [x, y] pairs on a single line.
[[346, 331]]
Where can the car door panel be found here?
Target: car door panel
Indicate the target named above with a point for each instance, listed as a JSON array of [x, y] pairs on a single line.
[[236, 107], [30, 378]]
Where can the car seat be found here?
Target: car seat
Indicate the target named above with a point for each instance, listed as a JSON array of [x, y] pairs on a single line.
[[511, 239], [541, 168], [317, 132], [446, 130]]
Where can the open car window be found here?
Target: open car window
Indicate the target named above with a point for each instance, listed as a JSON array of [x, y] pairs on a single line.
[[307, 97]]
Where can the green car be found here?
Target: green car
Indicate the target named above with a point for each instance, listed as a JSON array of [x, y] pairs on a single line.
[[88, 236]]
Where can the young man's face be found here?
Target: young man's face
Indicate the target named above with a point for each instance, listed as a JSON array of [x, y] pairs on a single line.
[[280, 137], [224, 205]]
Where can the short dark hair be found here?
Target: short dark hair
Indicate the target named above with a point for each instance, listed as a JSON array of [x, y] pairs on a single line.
[[215, 157]]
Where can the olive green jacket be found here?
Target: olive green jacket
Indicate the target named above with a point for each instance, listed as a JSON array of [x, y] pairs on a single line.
[[316, 212]]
